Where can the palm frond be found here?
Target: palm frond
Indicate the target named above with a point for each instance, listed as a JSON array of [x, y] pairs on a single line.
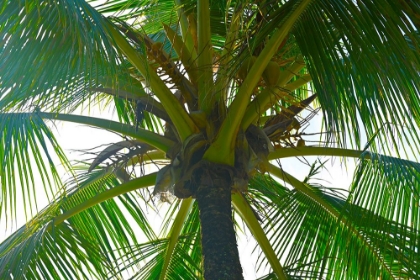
[[372, 232], [154, 139], [362, 65], [68, 41], [389, 191], [64, 253], [389, 181], [169, 258], [150, 257], [28, 152], [90, 242]]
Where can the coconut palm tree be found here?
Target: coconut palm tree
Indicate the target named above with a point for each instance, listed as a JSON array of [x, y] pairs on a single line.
[[211, 94]]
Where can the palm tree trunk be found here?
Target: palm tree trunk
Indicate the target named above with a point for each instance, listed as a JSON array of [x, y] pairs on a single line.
[[220, 250]]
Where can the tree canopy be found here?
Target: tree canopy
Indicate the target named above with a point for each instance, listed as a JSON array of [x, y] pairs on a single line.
[[210, 95]]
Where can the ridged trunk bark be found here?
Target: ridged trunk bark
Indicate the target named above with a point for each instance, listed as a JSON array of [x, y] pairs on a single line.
[[220, 250]]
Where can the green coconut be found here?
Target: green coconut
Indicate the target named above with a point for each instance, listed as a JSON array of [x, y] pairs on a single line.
[[246, 66], [271, 73]]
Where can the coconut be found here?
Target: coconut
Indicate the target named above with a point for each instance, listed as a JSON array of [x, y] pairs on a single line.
[[271, 73], [246, 66]]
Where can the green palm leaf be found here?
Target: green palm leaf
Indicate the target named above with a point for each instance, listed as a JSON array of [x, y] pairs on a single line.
[[352, 55], [66, 49], [89, 242], [151, 257], [366, 242], [64, 253], [176, 256], [27, 143]]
